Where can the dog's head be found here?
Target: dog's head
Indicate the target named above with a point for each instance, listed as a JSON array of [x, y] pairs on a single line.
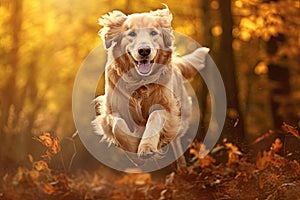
[[143, 40]]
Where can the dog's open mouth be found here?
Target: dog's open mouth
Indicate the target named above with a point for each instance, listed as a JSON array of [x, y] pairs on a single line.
[[144, 67]]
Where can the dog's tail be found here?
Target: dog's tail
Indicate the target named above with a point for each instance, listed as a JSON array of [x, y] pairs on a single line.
[[190, 64]]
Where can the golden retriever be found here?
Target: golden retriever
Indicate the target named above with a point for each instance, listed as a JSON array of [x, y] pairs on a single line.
[[145, 105]]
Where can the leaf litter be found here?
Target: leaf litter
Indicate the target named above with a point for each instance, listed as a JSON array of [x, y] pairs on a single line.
[[271, 176]]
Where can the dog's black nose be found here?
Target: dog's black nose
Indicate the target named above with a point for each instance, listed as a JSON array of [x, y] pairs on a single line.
[[144, 51]]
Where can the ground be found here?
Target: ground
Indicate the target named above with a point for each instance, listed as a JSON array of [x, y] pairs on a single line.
[[271, 176]]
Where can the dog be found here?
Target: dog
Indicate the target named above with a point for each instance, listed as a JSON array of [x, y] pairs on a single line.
[[145, 105]]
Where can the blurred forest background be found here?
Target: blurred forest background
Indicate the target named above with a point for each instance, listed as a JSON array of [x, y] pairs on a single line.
[[255, 44]]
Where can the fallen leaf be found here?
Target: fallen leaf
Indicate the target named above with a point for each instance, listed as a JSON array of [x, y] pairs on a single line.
[[143, 179], [48, 189], [233, 153], [276, 146], [201, 154], [19, 176], [263, 160], [47, 155], [30, 158], [40, 165], [55, 148], [45, 139], [264, 136], [206, 161], [51, 142], [290, 129]]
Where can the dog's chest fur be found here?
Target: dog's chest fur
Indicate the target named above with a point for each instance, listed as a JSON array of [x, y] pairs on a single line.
[[146, 99]]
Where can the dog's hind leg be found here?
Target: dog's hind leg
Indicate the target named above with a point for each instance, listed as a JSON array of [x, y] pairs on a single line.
[[178, 151], [122, 134]]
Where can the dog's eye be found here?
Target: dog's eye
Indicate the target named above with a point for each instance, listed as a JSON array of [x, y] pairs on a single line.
[[153, 33], [132, 34]]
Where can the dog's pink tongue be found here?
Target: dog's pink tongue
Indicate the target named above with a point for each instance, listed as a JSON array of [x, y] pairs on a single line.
[[144, 68]]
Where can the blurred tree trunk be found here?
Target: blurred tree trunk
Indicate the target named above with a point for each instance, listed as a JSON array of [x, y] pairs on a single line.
[[11, 104], [226, 64], [202, 89], [280, 75], [127, 6], [9, 90]]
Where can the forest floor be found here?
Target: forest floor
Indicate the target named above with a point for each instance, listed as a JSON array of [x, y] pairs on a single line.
[[270, 176]]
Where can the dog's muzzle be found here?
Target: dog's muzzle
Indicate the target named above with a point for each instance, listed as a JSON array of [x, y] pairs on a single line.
[[144, 65]]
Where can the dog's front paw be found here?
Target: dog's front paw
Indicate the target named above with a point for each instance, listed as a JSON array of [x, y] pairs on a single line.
[[146, 150], [99, 105], [114, 120]]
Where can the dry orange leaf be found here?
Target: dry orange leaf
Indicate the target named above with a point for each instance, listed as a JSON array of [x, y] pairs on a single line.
[[40, 165], [45, 139], [198, 150], [51, 142], [290, 129], [47, 155], [201, 154], [233, 153], [206, 161], [55, 148], [48, 189], [263, 160], [19, 176], [276, 146], [30, 158], [137, 179], [264, 136]]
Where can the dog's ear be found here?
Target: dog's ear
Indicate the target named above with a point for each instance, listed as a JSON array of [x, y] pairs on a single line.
[[165, 18], [165, 15], [168, 37], [112, 24]]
